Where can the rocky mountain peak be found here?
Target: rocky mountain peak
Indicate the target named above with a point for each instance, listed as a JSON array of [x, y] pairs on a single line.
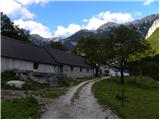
[[154, 26], [107, 26]]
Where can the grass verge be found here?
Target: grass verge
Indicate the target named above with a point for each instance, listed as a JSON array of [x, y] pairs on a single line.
[[142, 97], [20, 108], [52, 92]]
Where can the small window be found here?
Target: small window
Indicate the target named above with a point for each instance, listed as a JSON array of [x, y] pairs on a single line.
[[61, 68], [55, 67], [72, 68], [35, 65], [87, 69], [80, 69]]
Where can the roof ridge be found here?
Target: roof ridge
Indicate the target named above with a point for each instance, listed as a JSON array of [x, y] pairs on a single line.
[[65, 52], [21, 41]]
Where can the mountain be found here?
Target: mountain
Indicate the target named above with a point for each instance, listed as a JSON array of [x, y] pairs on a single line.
[[48, 42], [43, 42], [154, 40], [107, 26], [71, 41], [145, 26], [141, 26], [154, 26]]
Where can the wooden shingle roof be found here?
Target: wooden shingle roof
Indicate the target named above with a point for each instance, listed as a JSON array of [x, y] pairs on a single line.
[[17, 49], [22, 50], [66, 58]]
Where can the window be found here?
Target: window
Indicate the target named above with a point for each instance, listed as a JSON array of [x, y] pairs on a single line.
[[80, 69], [72, 68], [55, 67], [87, 69], [61, 69], [35, 65]]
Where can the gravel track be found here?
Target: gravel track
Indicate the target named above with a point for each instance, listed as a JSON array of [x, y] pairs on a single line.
[[85, 107]]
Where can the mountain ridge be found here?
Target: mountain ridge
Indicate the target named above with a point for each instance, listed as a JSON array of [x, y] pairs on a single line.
[[141, 25]]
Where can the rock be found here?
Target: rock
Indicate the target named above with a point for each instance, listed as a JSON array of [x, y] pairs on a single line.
[[15, 83]]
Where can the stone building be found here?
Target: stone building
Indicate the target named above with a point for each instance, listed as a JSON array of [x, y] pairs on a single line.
[[19, 55], [71, 65], [23, 56]]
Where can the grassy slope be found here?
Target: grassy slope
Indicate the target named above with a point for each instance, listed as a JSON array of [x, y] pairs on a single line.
[[154, 40], [142, 97]]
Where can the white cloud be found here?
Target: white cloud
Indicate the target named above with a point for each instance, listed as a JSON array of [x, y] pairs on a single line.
[[104, 17], [29, 2], [63, 32], [34, 27], [85, 20], [93, 23], [148, 2], [137, 13], [18, 8]]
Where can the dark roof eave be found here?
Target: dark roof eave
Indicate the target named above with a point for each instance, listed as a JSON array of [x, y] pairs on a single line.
[[75, 65], [28, 60]]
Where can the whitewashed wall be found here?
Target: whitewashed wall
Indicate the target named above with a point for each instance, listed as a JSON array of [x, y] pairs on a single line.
[[112, 71], [46, 68], [10, 64], [76, 73]]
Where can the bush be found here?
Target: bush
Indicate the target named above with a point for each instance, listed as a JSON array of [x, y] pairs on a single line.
[[20, 108], [67, 81], [33, 85]]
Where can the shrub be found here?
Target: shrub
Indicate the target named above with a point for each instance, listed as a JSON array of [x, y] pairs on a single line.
[[67, 81], [33, 85]]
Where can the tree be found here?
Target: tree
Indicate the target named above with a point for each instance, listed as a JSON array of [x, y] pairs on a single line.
[[149, 66], [10, 30], [137, 60], [58, 45], [126, 42], [91, 48]]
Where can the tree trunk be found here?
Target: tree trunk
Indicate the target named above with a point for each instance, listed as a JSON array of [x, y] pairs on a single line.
[[123, 96], [135, 78], [140, 72], [26, 92], [111, 84], [122, 82], [122, 71], [97, 71]]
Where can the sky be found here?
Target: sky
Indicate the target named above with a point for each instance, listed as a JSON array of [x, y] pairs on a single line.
[[55, 18]]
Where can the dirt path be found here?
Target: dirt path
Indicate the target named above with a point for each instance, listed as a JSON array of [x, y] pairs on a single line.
[[84, 107]]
